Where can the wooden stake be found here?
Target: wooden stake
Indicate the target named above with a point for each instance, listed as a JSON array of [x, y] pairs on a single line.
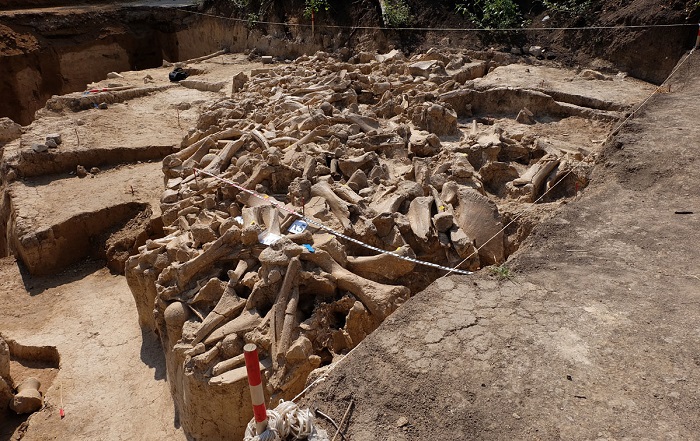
[[342, 421]]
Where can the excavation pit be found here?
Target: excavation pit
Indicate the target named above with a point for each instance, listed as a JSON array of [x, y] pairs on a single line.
[[428, 158], [405, 155], [446, 158]]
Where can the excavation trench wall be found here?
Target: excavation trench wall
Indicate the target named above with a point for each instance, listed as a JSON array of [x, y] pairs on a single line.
[[65, 59], [31, 164], [5, 216], [45, 55], [52, 249]]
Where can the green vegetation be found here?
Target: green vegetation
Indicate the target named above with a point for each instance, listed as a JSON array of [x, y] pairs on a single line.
[[568, 6], [492, 14], [240, 4], [502, 14], [501, 272], [311, 7], [397, 13]]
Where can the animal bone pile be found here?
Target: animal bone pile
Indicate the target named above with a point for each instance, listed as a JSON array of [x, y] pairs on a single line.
[[371, 149]]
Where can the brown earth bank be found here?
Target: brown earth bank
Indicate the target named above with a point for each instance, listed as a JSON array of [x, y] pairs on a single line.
[[646, 53], [27, 4], [49, 53]]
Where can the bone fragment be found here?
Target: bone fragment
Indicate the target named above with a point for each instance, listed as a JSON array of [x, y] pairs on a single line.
[[225, 246], [185, 153], [227, 365], [278, 309], [338, 206], [260, 139], [310, 137], [289, 323], [202, 361], [175, 316], [358, 180], [540, 170], [381, 300], [228, 306], [282, 141], [237, 374], [350, 165], [247, 321], [419, 217], [28, 398], [479, 218], [205, 57], [383, 265], [547, 166], [206, 145], [366, 124], [261, 172], [223, 158], [347, 194]]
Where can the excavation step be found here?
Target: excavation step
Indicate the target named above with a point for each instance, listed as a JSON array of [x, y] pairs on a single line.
[[56, 222], [587, 88], [128, 117]]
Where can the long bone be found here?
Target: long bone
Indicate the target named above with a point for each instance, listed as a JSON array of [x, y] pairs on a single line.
[[278, 313], [338, 206], [384, 265], [229, 304], [227, 245], [381, 300]]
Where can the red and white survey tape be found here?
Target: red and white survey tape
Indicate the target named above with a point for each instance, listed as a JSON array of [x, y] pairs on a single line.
[[318, 224], [257, 396]]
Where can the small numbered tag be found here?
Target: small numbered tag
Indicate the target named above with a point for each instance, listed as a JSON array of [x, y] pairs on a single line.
[[299, 226]]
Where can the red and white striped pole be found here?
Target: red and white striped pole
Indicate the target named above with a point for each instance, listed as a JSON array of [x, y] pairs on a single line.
[[252, 365]]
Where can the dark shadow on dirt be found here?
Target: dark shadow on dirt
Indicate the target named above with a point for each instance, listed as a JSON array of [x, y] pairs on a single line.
[[11, 425], [38, 284], [152, 354]]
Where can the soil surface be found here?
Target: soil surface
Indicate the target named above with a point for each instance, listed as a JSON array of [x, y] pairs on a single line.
[[590, 332], [112, 375]]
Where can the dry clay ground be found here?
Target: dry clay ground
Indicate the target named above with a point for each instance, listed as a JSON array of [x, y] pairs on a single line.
[[595, 335], [504, 346]]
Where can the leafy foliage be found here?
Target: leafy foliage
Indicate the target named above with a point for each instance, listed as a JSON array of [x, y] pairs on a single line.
[[311, 7], [501, 272], [492, 14], [568, 6], [240, 4], [397, 13]]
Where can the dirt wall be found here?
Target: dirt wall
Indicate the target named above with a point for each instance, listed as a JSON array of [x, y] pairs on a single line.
[[54, 55], [23, 4], [52, 249], [5, 216]]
